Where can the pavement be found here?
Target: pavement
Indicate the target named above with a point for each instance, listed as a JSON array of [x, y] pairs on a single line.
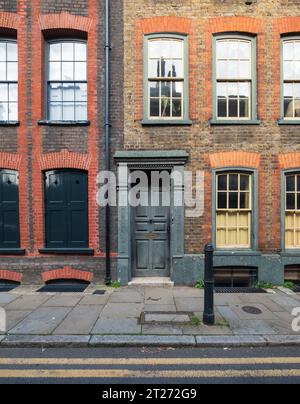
[[146, 316]]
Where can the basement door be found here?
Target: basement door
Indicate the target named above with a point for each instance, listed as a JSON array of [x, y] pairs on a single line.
[[151, 237]]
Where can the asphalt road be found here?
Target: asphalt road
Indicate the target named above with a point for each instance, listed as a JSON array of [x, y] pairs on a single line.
[[163, 366]]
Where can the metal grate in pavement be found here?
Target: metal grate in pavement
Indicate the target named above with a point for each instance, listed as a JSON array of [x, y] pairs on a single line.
[[238, 290]]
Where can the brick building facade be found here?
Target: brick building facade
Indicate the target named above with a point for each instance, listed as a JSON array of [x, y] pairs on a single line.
[[258, 238]]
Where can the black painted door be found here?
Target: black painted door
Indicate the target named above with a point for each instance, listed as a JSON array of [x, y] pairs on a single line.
[[9, 210], [66, 194], [151, 244]]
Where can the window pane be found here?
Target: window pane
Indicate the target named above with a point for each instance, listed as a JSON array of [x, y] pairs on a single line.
[[166, 89], [165, 107], [80, 52], [154, 66], [245, 50], [55, 111], [2, 71], [67, 51], [245, 70], [245, 182], [176, 108], [297, 50], [177, 90], [2, 51], [80, 71], [233, 107], [12, 52], [288, 108], [244, 200], [154, 89], [233, 70], [222, 200], [68, 92], [81, 92], [288, 51], [166, 68], [55, 92], [55, 52], [233, 182], [13, 92], [177, 68], [68, 112], [154, 49], [298, 183], [244, 107], [233, 200], [222, 182], [3, 111], [222, 70], [233, 49], [3, 92], [67, 71], [176, 51], [13, 111], [12, 71], [222, 99], [298, 201], [290, 183], [222, 49], [290, 201], [54, 71], [154, 107], [288, 70], [81, 111]]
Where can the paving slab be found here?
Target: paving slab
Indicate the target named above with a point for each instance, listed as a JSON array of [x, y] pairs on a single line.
[[117, 310], [151, 329], [14, 317], [117, 326], [142, 340], [79, 321], [188, 291], [283, 340], [206, 330], [156, 295], [28, 302], [128, 296], [229, 315], [160, 307], [227, 299], [261, 299], [285, 300], [63, 300], [90, 300], [230, 341], [265, 313], [46, 341], [253, 327], [167, 318], [189, 304], [6, 298], [42, 321]]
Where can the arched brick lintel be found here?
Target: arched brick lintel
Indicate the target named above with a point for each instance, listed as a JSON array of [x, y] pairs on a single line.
[[289, 160], [10, 161], [65, 159], [235, 159], [9, 21], [235, 24], [67, 273], [65, 21], [165, 24], [10, 275]]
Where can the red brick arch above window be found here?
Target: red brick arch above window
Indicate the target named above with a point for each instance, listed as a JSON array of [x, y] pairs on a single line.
[[9, 21], [67, 273], [10, 275], [161, 25], [10, 161], [65, 21], [235, 159], [65, 159], [289, 160]]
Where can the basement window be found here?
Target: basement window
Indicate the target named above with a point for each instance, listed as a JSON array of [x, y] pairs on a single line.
[[65, 286], [7, 286], [235, 277]]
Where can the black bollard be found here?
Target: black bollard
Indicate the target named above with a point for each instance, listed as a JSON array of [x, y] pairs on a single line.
[[209, 314]]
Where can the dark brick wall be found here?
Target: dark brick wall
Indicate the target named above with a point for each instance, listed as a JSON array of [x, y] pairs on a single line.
[[9, 6], [79, 7], [56, 138], [8, 140]]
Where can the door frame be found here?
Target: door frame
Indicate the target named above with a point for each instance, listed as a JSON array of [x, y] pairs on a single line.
[[127, 161]]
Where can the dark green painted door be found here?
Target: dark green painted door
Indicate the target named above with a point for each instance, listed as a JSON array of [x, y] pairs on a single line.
[[66, 193], [9, 210], [151, 240]]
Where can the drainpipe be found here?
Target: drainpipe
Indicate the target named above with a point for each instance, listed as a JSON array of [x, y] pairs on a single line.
[[107, 135]]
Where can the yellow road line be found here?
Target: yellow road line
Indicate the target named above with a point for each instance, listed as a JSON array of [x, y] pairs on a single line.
[[148, 361], [126, 373]]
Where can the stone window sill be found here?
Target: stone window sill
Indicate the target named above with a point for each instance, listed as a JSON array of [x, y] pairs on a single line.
[[12, 251], [9, 123], [175, 122], [234, 253], [67, 251], [63, 123], [219, 122], [288, 122]]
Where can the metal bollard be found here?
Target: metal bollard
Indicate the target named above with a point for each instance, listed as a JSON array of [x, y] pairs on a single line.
[[209, 314]]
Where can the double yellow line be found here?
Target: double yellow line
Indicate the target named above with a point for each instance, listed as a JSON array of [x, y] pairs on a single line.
[[155, 373]]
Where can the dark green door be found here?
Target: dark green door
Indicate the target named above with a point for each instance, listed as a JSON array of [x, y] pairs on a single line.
[[66, 193], [9, 210], [151, 240]]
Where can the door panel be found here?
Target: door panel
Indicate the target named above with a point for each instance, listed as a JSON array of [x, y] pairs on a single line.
[[66, 194], [9, 209]]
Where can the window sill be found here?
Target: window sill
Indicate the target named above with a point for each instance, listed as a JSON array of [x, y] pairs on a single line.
[[9, 123], [175, 122], [67, 251], [232, 253], [63, 123], [287, 122], [291, 253], [216, 122], [12, 251]]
